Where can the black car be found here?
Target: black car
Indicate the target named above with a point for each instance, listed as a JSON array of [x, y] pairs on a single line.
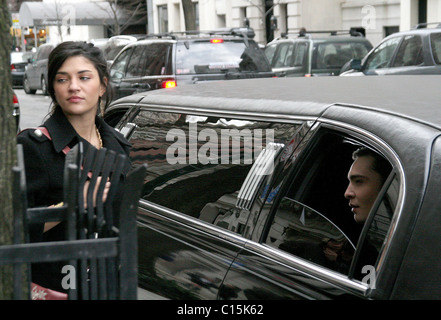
[[168, 60], [417, 51], [19, 62], [35, 77], [316, 53], [244, 196]]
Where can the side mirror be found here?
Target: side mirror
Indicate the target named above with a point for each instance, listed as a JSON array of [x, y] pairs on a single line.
[[356, 64]]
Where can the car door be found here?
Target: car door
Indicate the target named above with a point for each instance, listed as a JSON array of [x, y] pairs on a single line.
[[289, 58], [303, 239], [380, 60]]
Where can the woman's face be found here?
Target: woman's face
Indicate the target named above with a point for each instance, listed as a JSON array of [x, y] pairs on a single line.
[[77, 87]]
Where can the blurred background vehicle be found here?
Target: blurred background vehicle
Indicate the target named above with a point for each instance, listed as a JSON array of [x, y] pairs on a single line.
[[19, 61], [417, 51], [35, 77], [311, 53], [168, 60]]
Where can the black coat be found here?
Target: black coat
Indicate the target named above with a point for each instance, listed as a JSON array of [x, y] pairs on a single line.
[[44, 165]]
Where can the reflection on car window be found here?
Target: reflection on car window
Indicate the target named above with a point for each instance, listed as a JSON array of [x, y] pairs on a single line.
[[134, 67], [206, 57], [435, 42], [382, 55], [118, 69], [196, 165], [306, 233], [156, 58], [335, 54], [284, 55], [410, 52]]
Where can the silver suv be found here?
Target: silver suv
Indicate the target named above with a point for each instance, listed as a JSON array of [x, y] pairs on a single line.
[[417, 51]]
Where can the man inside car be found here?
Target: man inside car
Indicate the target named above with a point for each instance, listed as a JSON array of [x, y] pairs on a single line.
[[366, 177]]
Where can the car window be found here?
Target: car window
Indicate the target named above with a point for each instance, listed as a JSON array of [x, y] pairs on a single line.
[[435, 42], [158, 59], [197, 165], [284, 55], [331, 55], [313, 219], [410, 52], [382, 55], [118, 69], [205, 57], [300, 54], [135, 64], [270, 50]]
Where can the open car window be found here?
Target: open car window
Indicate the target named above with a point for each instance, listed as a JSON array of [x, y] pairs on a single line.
[[313, 219]]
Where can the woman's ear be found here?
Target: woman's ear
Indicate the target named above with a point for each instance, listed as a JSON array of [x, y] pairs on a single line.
[[103, 86]]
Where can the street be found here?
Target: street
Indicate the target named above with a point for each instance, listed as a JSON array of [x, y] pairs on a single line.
[[33, 108]]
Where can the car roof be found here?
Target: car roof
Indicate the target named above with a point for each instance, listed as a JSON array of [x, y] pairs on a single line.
[[414, 96], [424, 31]]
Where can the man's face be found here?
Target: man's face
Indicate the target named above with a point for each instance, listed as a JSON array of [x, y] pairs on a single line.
[[364, 186]]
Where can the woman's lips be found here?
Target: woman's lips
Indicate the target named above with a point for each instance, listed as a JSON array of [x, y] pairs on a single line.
[[75, 99]]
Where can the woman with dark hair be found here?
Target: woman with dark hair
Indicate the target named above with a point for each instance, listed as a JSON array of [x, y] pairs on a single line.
[[78, 86]]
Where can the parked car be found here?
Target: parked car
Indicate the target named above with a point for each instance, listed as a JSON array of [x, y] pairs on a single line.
[[244, 196], [167, 60], [19, 62], [35, 77], [314, 54], [114, 45], [416, 51]]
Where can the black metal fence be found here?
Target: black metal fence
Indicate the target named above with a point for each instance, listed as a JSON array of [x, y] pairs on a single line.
[[101, 241]]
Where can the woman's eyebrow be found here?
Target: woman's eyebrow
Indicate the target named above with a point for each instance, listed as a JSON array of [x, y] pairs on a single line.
[[79, 72]]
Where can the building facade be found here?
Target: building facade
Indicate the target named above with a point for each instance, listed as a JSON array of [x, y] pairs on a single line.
[[379, 17]]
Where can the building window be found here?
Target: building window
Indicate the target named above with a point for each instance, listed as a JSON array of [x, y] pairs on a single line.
[[163, 18]]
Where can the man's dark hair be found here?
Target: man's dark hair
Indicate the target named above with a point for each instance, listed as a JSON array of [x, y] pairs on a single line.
[[380, 164]]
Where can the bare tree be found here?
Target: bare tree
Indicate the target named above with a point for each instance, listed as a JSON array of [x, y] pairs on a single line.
[[134, 11], [7, 146]]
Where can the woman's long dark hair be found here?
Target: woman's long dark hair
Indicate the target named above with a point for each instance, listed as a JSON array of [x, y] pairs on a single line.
[[69, 49]]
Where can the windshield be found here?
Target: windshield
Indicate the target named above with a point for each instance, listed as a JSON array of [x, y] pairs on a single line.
[[215, 57], [331, 55]]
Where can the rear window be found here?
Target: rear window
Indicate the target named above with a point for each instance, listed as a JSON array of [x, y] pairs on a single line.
[[330, 55], [435, 40], [207, 57]]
